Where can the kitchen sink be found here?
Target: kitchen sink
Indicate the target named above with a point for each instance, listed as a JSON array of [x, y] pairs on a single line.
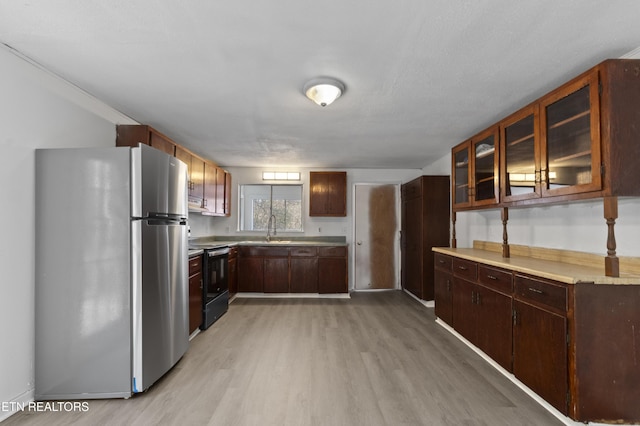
[[279, 242]]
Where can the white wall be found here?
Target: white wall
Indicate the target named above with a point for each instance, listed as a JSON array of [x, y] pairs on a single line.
[[578, 226], [37, 110]]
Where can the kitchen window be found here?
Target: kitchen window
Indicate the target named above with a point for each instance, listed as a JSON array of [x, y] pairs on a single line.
[[259, 202]]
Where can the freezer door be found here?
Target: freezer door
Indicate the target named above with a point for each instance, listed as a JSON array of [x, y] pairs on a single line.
[[164, 300], [160, 183]]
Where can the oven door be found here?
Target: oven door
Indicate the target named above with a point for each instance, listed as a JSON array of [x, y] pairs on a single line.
[[215, 292], [217, 279]]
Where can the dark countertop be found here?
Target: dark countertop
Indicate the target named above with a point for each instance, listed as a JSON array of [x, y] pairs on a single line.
[[214, 242]]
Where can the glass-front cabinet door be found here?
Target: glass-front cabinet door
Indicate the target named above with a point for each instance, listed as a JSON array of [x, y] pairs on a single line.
[[520, 156], [570, 148], [461, 179], [485, 168], [475, 170]]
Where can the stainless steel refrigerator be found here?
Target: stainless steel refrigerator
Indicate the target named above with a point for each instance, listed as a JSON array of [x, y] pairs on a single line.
[[111, 293]]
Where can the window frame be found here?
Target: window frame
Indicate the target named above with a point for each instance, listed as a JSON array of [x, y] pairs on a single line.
[[246, 216]]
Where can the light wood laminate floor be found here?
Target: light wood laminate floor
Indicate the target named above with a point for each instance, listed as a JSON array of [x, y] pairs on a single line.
[[374, 359]]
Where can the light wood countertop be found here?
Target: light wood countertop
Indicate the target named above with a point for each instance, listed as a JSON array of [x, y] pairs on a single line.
[[557, 270]]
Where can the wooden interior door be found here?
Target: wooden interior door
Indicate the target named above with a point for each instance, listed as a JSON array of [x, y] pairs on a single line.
[[377, 225]]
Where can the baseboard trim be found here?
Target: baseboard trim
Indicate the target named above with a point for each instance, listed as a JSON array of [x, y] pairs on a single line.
[[14, 405], [427, 303], [292, 296]]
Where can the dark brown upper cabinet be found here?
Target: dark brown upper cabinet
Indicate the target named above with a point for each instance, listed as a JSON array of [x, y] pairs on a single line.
[[520, 159], [209, 185], [134, 134], [327, 193], [461, 175], [577, 142], [195, 165], [475, 170], [570, 135]]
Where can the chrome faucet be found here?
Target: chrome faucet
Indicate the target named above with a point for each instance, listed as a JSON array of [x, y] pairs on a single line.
[[272, 220]]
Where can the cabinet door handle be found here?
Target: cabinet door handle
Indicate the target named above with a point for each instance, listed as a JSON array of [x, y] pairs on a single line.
[[441, 262], [448, 285], [491, 277], [473, 298], [535, 290], [478, 301], [515, 317], [462, 268]]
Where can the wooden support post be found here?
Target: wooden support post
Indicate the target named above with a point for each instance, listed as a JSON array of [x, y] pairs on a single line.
[[611, 262], [454, 241], [505, 238]]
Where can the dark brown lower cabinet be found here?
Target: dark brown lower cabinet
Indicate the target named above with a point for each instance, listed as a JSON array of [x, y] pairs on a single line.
[[250, 274], [575, 345], [195, 293], [304, 269], [494, 333], [295, 269], [332, 270], [444, 295], [540, 353], [540, 338], [332, 273], [607, 352], [304, 274], [276, 275], [483, 316], [465, 316]]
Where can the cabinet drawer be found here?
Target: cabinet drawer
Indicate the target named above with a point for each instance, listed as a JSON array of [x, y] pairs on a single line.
[[195, 264], [262, 251], [442, 261], [545, 293], [332, 251], [465, 268], [495, 278], [304, 251]]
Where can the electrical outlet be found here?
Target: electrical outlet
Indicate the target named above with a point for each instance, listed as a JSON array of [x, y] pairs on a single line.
[[319, 230]]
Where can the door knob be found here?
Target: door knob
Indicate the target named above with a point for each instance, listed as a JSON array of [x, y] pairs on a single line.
[[359, 243]]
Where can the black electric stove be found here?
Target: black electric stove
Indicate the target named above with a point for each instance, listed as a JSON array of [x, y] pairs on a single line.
[[215, 288]]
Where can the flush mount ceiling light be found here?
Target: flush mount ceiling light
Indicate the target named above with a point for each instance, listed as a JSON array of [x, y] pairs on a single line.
[[323, 90]]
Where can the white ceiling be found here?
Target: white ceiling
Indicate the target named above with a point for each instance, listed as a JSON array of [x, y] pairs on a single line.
[[225, 77]]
